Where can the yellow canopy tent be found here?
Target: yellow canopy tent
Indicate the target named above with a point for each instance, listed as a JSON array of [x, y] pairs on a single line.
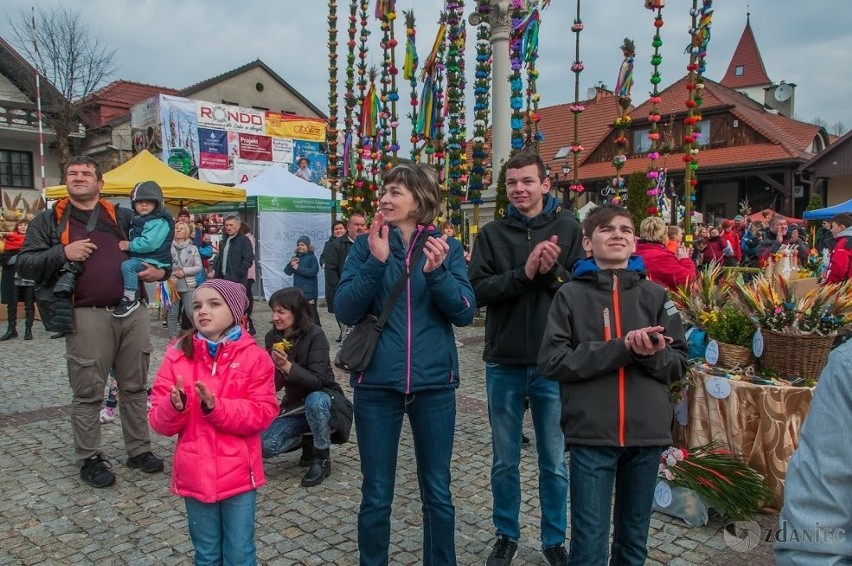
[[178, 189]]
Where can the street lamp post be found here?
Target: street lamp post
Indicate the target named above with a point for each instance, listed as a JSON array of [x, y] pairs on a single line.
[[557, 178]]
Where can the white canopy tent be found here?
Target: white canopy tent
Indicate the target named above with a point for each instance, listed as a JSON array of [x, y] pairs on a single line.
[[287, 207]]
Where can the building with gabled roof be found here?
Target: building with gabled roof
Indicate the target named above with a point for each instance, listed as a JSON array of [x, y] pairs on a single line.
[[20, 156], [829, 172], [747, 151], [750, 146], [254, 85], [107, 115]]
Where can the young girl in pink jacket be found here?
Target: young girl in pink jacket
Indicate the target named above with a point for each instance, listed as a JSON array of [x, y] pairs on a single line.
[[216, 391]]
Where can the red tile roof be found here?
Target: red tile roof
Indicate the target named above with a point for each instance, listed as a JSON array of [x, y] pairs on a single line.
[[557, 125], [786, 139], [747, 56], [114, 100]]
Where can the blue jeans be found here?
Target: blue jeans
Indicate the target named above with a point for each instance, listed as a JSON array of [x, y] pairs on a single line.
[[507, 387], [594, 471], [130, 269], [378, 420], [223, 532], [285, 433]]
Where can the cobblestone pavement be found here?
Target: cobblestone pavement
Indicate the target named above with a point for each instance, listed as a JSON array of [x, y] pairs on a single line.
[[50, 517]]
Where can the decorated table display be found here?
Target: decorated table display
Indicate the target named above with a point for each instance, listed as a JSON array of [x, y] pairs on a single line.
[[756, 410], [755, 418], [797, 331]]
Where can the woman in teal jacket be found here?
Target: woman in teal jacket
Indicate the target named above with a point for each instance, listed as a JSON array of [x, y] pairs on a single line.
[[414, 370], [304, 268]]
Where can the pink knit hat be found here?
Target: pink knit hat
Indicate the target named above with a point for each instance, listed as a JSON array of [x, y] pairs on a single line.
[[234, 295]]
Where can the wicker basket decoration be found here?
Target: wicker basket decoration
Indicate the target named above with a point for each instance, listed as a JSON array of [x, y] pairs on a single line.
[[731, 355], [795, 356]]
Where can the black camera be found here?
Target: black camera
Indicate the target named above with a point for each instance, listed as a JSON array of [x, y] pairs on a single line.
[[67, 280]]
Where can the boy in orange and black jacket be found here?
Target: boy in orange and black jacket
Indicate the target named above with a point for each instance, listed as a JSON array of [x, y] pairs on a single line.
[[615, 342]]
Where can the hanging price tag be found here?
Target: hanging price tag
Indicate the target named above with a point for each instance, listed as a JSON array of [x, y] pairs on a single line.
[[711, 354], [718, 387], [663, 495], [757, 344]]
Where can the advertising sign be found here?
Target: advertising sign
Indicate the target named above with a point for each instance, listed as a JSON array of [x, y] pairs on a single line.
[[225, 144], [295, 127]]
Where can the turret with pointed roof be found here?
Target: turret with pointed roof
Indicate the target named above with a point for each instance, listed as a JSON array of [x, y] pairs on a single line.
[[746, 68]]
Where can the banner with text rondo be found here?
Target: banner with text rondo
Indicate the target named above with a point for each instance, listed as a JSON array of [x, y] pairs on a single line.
[[291, 204], [295, 127]]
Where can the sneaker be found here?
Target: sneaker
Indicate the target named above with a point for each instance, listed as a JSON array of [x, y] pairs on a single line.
[[95, 472], [125, 307], [107, 415], [503, 552], [459, 343], [165, 324], [146, 461], [556, 555]]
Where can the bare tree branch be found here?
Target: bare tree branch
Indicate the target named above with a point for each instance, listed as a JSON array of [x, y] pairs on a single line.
[[75, 62]]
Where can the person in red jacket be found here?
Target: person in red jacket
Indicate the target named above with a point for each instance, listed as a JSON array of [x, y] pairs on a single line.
[[841, 256], [216, 391], [13, 287], [669, 269], [732, 235]]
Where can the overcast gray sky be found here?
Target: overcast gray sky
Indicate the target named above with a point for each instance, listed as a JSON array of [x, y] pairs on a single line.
[[177, 43]]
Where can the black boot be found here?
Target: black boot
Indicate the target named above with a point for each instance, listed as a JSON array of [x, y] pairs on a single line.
[[307, 451], [11, 332], [29, 314], [12, 328], [319, 470]]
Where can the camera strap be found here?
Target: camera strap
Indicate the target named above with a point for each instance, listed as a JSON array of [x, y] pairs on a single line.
[[91, 220]]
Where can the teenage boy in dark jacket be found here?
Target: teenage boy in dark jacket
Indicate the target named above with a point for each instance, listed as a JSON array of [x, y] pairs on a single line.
[[615, 342], [517, 265]]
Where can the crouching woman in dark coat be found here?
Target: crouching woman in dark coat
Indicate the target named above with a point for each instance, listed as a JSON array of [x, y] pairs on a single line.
[[313, 401]]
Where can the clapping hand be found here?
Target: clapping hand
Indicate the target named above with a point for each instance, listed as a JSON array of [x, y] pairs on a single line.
[[542, 258], [177, 394], [435, 250], [208, 399], [379, 238]]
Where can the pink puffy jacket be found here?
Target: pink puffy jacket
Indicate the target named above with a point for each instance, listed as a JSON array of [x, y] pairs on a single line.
[[217, 455]]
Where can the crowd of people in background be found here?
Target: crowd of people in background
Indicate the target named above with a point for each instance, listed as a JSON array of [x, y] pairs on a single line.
[[557, 344], [739, 242]]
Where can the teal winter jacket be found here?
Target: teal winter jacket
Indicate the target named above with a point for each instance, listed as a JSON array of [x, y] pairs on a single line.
[[416, 349]]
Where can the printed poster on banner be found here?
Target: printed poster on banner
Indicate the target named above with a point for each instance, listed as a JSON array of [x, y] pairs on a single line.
[[245, 169], [282, 150], [180, 134], [309, 162], [255, 148], [295, 127], [214, 149], [145, 130], [224, 144]]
